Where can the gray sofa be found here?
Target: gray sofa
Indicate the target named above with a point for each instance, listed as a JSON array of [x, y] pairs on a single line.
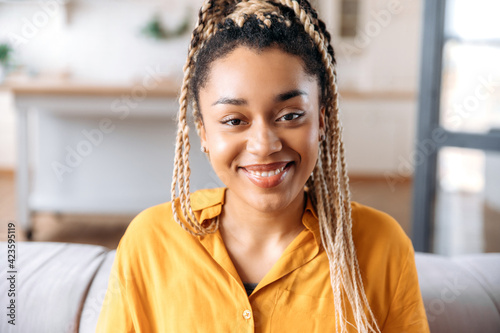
[[60, 287]]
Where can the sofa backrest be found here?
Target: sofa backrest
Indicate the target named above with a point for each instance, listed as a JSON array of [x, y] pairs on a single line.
[[61, 287], [461, 294], [51, 285]]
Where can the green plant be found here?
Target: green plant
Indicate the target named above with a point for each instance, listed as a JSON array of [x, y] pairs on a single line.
[[155, 29], [5, 54]]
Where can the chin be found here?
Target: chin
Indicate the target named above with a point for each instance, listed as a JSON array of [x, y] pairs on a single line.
[[270, 202]]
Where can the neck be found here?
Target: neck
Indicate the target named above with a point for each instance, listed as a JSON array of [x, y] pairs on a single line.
[[251, 227]]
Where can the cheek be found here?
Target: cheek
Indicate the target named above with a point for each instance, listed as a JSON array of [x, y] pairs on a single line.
[[306, 145], [304, 140], [223, 151], [310, 147]]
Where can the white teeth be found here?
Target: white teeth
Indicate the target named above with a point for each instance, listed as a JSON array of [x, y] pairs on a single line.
[[267, 173]]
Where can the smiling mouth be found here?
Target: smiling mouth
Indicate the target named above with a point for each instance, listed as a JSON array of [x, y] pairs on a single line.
[[267, 175]]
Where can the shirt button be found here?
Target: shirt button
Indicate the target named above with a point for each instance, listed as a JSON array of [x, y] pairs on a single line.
[[247, 314]]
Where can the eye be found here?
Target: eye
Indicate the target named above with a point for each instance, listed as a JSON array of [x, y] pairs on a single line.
[[232, 122], [290, 116]]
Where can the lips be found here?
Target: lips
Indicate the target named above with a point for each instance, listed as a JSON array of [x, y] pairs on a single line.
[[267, 175]]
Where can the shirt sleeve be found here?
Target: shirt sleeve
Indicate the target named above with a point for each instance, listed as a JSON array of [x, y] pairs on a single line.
[[115, 315], [407, 312]]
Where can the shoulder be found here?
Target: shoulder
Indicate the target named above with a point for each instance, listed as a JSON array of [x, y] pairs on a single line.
[[379, 239], [146, 235], [386, 259], [156, 225], [150, 221], [374, 229]]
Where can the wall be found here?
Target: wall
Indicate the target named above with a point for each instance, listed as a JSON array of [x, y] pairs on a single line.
[[99, 41], [95, 40], [381, 65], [90, 40], [385, 54]]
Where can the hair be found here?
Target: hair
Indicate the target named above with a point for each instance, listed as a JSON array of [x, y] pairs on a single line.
[[292, 26]]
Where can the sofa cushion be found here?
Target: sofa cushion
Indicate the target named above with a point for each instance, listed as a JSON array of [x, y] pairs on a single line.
[[95, 298], [461, 294], [52, 283]]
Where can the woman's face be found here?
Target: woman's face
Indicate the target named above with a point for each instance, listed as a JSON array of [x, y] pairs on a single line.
[[261, 125]]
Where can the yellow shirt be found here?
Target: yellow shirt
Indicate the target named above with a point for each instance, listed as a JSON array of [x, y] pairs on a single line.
[[166, 280]]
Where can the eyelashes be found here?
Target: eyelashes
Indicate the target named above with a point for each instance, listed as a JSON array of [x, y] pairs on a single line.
[[291, 116], [232, 122], [235, 121]]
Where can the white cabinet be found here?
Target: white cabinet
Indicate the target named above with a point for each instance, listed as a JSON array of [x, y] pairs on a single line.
[[85, 153]]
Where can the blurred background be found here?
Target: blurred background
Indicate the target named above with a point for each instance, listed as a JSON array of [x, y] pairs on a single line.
[[88, 97]]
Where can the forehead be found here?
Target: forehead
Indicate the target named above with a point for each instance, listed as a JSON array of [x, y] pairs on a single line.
[[245, 71]]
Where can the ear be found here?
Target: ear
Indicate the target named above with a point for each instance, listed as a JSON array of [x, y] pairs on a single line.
[[322, 120], [203, 135]]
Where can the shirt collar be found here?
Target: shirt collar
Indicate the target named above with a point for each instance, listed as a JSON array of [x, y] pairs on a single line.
[[207, 204]]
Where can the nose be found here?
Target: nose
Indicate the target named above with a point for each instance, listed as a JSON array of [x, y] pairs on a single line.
[[263, 140]]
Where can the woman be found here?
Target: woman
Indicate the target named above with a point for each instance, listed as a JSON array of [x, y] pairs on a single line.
[[281, 248]]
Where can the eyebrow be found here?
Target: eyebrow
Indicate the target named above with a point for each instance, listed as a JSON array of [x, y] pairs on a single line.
[[279, 98], [231, 101], [289, 95]]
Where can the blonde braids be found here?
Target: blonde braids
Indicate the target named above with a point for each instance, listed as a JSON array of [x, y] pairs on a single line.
[[338, 242], [329, 191], [182, 170]]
